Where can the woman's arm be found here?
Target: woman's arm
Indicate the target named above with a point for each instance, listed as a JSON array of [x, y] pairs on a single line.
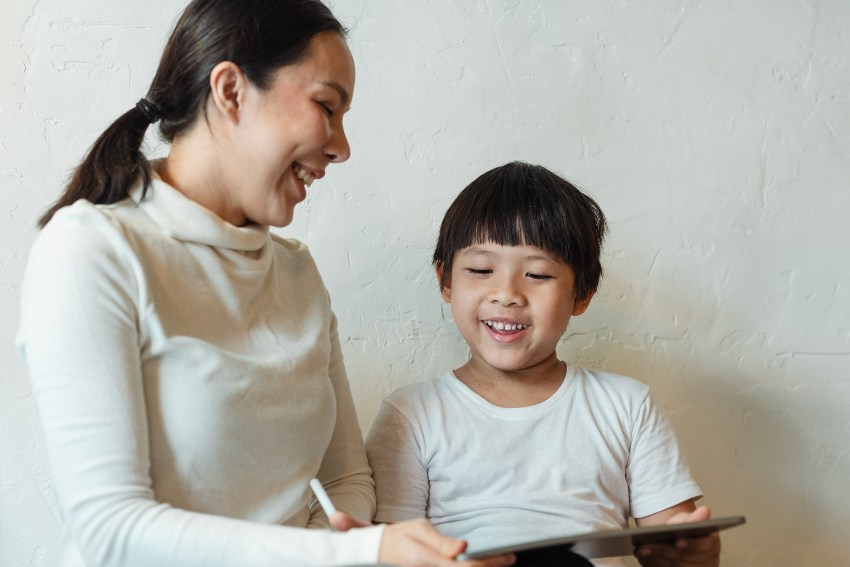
[[81, 341], [344, 471]]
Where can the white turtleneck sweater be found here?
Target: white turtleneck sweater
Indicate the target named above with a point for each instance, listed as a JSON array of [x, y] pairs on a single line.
[[189, 380]]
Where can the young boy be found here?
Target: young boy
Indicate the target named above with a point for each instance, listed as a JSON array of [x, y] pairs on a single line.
[[516, 445]]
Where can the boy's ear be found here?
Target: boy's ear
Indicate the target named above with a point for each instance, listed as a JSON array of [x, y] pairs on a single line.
[[581, 305], [228, 86], [445, 290]]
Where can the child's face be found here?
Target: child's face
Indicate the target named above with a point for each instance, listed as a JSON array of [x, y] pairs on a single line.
[[512, 304]]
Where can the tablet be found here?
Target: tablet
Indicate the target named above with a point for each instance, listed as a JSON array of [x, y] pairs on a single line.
[[605, 543]]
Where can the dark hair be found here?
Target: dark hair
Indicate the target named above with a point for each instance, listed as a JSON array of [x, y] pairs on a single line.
[[524, 204], [259, 36]]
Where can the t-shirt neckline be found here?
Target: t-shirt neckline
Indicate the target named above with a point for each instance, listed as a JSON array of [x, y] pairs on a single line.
[[524, 412]]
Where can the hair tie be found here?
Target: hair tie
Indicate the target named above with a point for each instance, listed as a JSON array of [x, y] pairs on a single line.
[[150, 110]]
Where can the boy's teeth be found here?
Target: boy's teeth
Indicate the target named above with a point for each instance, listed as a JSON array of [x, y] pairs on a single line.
[[499, 326]]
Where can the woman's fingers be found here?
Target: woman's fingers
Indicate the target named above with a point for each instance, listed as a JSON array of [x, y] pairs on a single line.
[[342, 522], [416, 543]]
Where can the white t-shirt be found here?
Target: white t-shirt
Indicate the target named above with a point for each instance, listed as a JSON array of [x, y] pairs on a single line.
[[593, 454], [189, 380]]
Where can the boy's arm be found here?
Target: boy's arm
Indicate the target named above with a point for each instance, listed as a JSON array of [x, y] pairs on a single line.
[[664, 516], [699, 552], [401, 479]]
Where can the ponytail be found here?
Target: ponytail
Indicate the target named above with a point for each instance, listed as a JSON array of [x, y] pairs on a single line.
[[113, 163]]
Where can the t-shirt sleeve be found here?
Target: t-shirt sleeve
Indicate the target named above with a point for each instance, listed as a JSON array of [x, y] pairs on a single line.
[[79, 336], [401, 477], [657, 472]]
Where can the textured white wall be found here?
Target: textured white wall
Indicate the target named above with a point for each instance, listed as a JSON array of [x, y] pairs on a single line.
[[714, 134]]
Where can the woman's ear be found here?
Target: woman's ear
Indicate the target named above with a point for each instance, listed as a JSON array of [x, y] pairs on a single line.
[[445, 287], [228, 87], [581, 305]]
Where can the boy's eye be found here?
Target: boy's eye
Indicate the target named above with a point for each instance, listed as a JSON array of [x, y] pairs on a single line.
[[326, 109], [538, 276], [479, 272]]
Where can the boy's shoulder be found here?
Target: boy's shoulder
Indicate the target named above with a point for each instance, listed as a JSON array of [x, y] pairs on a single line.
[[611, 385], [608, 379], [426, 398], [446, 390], [431, 388]]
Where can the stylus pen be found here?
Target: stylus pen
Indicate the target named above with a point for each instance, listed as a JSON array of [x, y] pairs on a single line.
[[323, 497]]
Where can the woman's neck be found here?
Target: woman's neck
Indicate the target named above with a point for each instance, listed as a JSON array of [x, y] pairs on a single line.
[[193, 167]]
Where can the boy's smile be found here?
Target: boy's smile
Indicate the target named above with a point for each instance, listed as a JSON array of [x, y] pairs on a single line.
[[505, 330], [512, 305]]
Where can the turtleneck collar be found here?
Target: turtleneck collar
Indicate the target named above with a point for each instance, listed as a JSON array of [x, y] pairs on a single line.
[[186, 220]]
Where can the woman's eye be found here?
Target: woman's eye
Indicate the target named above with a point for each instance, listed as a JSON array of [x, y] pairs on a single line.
[[326, 109]]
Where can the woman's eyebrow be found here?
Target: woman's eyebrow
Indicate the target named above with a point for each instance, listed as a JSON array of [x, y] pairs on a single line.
[[343, 94]]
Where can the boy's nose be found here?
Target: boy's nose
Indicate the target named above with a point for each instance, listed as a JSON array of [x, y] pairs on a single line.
[[507, 293]]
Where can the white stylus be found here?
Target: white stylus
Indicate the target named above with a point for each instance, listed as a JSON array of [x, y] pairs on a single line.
[[323, 497]]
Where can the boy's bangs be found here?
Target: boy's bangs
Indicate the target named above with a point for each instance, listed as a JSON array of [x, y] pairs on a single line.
[[525, 230], [521, 204], [509, 217]]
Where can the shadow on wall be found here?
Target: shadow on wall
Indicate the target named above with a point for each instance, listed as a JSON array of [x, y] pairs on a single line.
[[766, 435]]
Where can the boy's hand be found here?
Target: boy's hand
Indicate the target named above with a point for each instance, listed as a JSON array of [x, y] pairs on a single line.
[[686, 552]]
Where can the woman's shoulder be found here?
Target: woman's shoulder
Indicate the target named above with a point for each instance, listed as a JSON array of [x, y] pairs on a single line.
[[79, 257], [80, 228], [289, 245], [294, 256]]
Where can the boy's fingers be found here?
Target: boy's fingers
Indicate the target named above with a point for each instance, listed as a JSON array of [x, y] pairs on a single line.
[[685, 551], [699, 515], [497, 561]]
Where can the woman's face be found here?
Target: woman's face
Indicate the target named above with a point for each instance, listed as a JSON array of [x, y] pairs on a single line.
[[289, 133]]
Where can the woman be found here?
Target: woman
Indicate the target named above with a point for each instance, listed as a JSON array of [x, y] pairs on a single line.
[[185, 361]]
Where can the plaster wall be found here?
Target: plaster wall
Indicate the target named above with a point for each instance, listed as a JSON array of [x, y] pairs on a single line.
[[713, 134]]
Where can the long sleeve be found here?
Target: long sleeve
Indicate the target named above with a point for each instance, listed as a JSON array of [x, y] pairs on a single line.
[[82, 333], [345, 471]]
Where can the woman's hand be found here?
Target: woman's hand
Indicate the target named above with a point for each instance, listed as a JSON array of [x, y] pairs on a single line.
[[686, 552], [342, 522], [416, 543]]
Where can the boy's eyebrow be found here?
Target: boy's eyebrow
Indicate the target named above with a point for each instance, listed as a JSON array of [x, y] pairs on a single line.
[[475, 251]]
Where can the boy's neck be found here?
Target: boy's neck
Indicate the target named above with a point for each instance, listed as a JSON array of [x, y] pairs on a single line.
[[514, 389]]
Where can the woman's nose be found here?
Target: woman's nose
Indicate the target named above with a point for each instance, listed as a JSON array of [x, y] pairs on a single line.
[[337, 149]]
